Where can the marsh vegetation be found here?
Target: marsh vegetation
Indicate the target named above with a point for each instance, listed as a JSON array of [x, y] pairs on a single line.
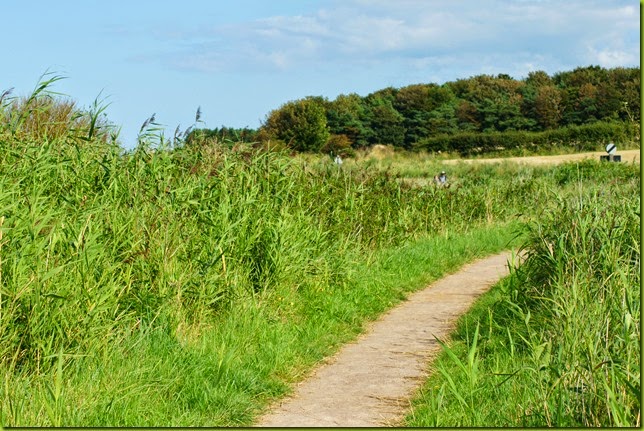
[[189, 285]]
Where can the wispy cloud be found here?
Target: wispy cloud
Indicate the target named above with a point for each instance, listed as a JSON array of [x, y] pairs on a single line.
[[508, 35]]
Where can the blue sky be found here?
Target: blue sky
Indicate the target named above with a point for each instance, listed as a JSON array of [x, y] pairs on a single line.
[[240, 59]]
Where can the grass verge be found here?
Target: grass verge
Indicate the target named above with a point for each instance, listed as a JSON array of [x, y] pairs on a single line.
[[189, 285], [224, 373], [558, 342]]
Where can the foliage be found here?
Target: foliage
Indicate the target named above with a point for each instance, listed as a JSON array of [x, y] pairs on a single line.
[[345, 117], [408, 116], [427, 115], [301, 124], [386, 125], [221, 135], [558, 342], [591, 137]]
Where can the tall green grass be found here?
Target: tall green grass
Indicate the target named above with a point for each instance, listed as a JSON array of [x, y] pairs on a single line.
[[104, 252], [224, 370], [95, 240], [558, 342], [188, 285]]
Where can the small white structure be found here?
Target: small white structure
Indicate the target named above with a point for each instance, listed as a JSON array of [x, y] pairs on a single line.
[[611, 149]]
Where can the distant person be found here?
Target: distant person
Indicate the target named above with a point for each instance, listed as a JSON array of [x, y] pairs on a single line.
[[338, 160], [441, 179]]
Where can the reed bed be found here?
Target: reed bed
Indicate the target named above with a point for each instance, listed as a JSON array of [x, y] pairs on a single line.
[[188, 285], [557, 343]]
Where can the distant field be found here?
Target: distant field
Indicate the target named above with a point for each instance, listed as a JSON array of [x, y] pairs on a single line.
[[627, 156]]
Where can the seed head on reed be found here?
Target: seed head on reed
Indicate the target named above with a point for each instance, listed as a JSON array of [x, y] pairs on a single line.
[[5, 94], [147, 122], [186, 133]]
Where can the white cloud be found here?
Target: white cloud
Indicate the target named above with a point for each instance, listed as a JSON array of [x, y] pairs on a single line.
[[613, 58], [420, 34]]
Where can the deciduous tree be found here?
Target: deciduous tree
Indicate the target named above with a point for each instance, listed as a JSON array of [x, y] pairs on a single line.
[[300, 124]]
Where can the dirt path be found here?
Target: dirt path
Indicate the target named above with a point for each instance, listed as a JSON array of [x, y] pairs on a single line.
[[369, 382], [628, 156]]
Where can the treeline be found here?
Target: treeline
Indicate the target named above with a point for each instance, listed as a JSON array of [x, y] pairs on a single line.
[[580, 138], [223, 134], [450, 115]]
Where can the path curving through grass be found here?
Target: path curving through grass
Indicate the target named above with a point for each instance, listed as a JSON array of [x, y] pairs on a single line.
[[369, 382]]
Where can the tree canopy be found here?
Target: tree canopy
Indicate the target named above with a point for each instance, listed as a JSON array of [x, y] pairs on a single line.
[[301, 124], [405, 116]]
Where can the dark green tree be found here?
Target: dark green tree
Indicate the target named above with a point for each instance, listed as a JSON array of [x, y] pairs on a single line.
[[467, 116], [426, 109], [344, 117], [387, 126], [532, 83], [300, 124], [627, 81], [548, 106], [385, 123]]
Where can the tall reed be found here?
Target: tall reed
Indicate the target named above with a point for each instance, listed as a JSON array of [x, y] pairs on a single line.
[[104, 252], [560, 339]]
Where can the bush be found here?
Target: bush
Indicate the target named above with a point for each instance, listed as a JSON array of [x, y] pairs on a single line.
[[591, 137], [339, 144], [301, 124]]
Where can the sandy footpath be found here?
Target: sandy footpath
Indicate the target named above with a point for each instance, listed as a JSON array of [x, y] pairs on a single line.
[[628, 156], [369, 382]]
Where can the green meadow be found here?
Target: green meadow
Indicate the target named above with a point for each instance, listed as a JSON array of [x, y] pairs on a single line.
[[191, 285]]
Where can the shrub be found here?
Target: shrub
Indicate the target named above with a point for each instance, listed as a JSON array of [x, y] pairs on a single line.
[[339, 144], [301, 124], [591, 137]]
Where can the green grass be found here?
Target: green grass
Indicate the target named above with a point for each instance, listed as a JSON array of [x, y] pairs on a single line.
[[191, 285], [558, 342], [224, 372], [103, 250]]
